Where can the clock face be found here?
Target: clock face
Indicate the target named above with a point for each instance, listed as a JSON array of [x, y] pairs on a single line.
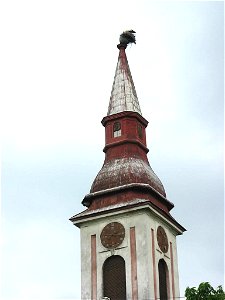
[[112, 235], [162, 239]]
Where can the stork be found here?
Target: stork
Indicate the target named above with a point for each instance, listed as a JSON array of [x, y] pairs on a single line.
[[128, 37]]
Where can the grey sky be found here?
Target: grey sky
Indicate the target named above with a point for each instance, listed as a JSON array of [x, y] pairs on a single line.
[[59, 60]]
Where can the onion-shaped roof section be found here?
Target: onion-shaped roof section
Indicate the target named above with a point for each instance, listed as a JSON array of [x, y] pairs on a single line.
[[123, 171]]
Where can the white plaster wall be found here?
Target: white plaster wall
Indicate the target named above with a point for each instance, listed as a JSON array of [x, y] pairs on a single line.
[[140, 220], [143, 221], [123, 251], [95, 227], [176, 273], [171, 235], [85, 262]]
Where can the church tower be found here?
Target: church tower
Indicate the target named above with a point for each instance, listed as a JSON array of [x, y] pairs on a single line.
[[128, 236]]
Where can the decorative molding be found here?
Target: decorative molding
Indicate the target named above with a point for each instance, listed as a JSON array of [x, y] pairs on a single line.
[[153, 262], [110, 250], [172, 271], [133, 264], [128, 207], [93, 268]]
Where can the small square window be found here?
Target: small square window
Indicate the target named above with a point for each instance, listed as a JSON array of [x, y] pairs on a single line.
[[116, 129]]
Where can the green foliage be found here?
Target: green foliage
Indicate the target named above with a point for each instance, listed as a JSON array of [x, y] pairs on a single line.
[[204, 292]]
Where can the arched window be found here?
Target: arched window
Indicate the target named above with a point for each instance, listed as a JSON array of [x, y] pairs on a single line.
[[114, 278], [116, 129], [163, 280]]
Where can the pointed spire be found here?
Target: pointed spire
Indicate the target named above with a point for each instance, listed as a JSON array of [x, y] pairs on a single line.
[[123, 95]]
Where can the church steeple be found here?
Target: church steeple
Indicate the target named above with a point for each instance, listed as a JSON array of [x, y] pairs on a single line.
[[126, 166], [128, 236], [123, 95]]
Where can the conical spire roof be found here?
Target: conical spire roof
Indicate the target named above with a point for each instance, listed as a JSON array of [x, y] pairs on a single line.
[[123, 95]]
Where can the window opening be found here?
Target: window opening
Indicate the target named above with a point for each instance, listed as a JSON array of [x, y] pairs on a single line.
[[114, 278], [116, 129], [163, 280]]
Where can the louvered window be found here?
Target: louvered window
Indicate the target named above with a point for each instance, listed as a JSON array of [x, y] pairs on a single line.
[[114, 278]]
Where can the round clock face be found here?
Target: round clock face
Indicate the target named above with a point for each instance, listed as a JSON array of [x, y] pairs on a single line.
[[112, 235], [162, 239]]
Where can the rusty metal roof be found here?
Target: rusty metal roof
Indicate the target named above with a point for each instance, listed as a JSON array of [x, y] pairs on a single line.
[[126, 170], [123, 95]]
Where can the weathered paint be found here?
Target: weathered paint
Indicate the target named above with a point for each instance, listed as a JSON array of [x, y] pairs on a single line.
[[172, 270], [119, 208], [126, 156], [123, 95], [93, 268], [127, 190], [168, 284], [134, 279], [143, 220], [153, 266], [122, 171], [123, 196], [126, 160]]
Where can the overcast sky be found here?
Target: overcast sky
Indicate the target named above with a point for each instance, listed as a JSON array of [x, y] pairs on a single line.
[[59, 59]]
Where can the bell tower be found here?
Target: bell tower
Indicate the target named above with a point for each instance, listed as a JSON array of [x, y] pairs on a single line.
[[128, 236]]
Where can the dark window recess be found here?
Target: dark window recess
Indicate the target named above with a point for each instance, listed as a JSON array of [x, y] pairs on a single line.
[[116, 129], [163, 284], [114, 278], [140, 131]]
